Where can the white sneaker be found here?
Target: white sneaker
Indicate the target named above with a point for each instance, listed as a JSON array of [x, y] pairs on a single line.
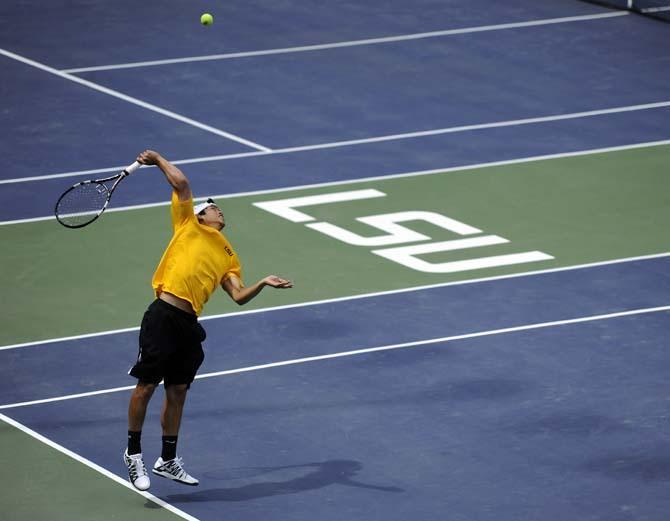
[[174, 469], [137, 472]]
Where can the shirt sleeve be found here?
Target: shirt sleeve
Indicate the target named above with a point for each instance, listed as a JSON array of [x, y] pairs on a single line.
[[234, 270], [182, 211]]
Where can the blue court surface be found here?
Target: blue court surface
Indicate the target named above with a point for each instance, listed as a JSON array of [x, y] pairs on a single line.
[[537, 393]]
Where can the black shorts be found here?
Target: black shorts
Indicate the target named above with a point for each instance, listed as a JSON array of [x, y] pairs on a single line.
[[170, 346]]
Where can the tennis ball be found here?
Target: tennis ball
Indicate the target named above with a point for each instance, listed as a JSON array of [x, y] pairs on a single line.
[[206, 19]]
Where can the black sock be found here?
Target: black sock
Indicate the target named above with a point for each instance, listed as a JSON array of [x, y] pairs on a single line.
[[169, 448], [134, 446]]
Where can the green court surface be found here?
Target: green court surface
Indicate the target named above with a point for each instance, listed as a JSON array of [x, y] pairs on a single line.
[[45, 484], [576, 210]]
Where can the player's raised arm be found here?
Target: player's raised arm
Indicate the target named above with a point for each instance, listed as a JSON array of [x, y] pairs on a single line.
[[241, 294], [174, 176]]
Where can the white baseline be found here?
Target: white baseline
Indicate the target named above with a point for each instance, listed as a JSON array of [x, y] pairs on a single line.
[[95, 467]]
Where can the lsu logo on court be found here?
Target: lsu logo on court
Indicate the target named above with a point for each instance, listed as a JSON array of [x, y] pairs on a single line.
[[397, 234]]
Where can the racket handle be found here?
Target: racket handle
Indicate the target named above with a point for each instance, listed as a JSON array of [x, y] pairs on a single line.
[[130, 169]]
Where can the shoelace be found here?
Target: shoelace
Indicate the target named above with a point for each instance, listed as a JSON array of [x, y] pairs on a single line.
[[175, 467], [136, 468]]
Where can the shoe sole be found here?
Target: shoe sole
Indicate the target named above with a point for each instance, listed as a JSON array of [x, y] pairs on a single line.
[[168, 476], [138, 488]]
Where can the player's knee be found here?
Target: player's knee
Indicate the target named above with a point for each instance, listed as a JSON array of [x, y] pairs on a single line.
[[144, 390], [176, 392]]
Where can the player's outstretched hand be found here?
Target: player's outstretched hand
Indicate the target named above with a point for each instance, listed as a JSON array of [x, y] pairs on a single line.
[[277, 282], [148, 157]]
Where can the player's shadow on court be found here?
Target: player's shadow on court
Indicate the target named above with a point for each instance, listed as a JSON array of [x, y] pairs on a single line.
[[319, 475]]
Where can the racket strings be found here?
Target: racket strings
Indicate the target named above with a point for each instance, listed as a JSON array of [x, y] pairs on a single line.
[[81, 204]]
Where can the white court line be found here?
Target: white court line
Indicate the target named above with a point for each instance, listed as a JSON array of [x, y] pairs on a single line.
[[353, 43], [377, 139], [660, 9], [389, 347], [95, 467], [434, 171], [355, 297], [134, 101]]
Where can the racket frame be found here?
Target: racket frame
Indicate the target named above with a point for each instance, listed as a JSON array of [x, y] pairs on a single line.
[[117, 177]]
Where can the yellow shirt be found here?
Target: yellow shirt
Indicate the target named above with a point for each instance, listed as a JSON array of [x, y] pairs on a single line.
[[196, 261]]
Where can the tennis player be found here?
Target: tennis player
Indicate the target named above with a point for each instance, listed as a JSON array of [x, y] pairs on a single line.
[[197, 259]]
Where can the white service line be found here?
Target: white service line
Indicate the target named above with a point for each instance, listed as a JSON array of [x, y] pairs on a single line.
[[353, 43], [463, 168], [95, 467], [367, 350], [377, 139], [355, 297], [134, 101]]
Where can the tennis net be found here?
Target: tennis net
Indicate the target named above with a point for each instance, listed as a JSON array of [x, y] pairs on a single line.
[[656, 8]]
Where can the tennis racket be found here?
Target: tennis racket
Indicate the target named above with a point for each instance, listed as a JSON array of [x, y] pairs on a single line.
[[84, 202]]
